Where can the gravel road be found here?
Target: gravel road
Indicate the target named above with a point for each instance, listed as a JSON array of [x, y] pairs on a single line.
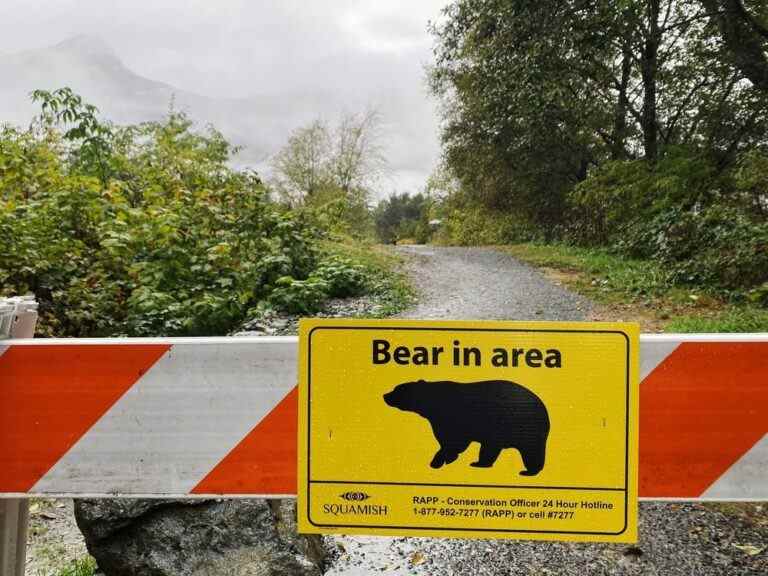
[[484, 284], [675, 539]]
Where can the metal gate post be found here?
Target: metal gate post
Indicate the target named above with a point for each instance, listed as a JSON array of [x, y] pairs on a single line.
[[18, 317], [14, 517]]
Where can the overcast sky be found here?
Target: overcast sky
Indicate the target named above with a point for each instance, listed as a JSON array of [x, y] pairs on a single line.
[[364, 52]]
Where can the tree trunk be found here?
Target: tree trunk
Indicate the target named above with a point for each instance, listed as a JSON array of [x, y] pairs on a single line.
[[648, 69], [618, 148]]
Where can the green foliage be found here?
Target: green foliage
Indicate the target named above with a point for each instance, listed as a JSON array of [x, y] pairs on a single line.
[[639, 127], [620, 193], [403, 216], [705, 226], [334, 277], [173, 242], [339, 213], [330, 173], [299, 296], [466, 222], [384, 279], [343, 277], [607, 275], [82, 567], [91, 138], [751, 182], [715, 247], [732, 319]]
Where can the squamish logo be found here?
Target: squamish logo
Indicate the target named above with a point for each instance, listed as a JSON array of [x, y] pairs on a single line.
[[354, 496], [355, 508]]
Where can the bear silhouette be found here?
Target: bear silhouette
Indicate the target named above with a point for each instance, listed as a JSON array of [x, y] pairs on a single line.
[[496, 413]]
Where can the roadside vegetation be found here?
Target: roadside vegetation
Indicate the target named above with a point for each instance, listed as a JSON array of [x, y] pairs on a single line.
[[628, 142], [148, 230], [640, 290], [83, 567], [403, 218]]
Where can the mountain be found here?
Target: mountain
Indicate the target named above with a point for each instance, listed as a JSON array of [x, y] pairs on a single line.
[[91, 68]]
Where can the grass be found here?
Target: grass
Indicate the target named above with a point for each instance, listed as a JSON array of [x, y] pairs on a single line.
[[389, 285], [83, 567], [602, 275], [640, 290], [730, 319]]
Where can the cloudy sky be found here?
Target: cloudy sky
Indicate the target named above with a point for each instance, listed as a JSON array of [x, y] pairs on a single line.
[[361, 52]]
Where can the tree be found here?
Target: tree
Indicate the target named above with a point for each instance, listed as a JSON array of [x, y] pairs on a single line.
[[536, 95], [348, 159], [744, 30], [402, 216], [357, 160], [302, 167]]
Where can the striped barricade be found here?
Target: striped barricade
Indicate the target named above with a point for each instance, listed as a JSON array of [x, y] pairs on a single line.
[[180, 417]]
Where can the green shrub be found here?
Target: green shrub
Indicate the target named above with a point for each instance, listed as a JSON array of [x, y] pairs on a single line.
[[343, 277], [702, 223], [299, 296], [160, 236], [472, 225], [620, 193], [83, 567], [718, 247]]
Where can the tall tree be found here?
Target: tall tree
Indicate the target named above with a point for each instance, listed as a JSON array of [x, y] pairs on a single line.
[[744, 30], [301, 167], [534, 94], [348, 158], [357, 159]]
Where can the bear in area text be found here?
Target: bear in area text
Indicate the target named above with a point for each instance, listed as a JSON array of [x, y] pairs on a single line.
[[497, 413]]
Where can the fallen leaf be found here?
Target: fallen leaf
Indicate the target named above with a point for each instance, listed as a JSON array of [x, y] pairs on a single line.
[[417, 558], [749, 549], [34, 508], [48, 516]]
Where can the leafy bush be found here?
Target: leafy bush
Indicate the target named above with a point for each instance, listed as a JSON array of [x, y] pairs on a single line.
[[704, 225], [751, 181], [299, 296], [718, 247], [472, 225], [620, 193], [149, 233], [83, 567], [343, 277]]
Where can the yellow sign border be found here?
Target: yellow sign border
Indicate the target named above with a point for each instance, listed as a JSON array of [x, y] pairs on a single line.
[[630, 332]]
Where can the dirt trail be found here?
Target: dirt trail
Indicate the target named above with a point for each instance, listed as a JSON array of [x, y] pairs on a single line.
[[676, 539]]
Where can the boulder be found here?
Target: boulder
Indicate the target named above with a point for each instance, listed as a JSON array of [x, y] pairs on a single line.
[[197, 538]]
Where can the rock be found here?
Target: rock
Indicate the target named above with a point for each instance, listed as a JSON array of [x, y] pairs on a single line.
[[197, 538]]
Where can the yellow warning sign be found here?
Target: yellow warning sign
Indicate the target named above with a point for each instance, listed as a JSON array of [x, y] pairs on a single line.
[[469, 429]]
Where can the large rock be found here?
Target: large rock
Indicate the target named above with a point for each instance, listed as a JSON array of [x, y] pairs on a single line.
[[197, 538]]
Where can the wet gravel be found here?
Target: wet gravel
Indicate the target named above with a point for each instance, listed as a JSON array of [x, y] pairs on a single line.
[[675, 539], [484, 284]]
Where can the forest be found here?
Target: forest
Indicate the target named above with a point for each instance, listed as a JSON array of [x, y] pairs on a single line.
[[636, 126]]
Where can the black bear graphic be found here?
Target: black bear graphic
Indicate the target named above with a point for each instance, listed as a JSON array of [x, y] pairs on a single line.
[[496, 413]]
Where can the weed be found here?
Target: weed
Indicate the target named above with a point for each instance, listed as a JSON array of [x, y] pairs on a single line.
[[85, 566]]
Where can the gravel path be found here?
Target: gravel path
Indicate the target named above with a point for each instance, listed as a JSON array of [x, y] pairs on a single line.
[[675, 539], [484, 284]]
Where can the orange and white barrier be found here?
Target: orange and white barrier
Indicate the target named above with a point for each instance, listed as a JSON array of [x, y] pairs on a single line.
[[218, 416]]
